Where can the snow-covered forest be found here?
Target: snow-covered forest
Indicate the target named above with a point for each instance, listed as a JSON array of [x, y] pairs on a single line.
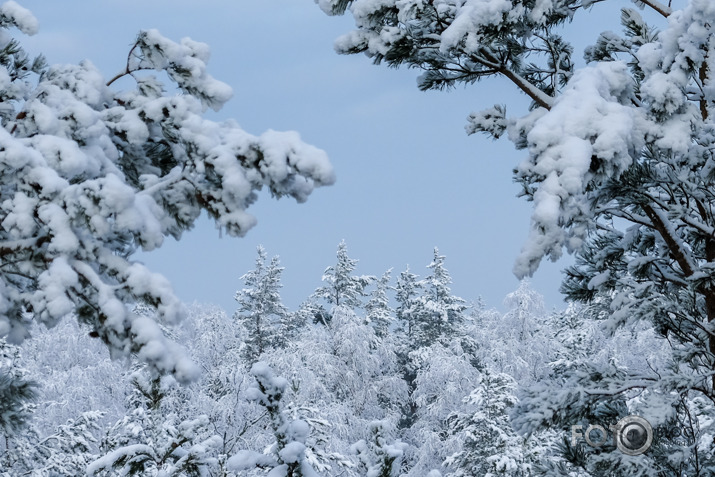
[[104, 371], [371, 376]]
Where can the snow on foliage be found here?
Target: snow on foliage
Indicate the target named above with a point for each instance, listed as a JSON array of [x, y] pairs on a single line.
[[620, 173], [352, 402], [91, 174], [377, 309], [342, 377], [14, 14], [260, 311], [16, 389], [152, 440], [379, 457], [590, 135], [440, 311], [287, 458], [620, 170], [343, 288], [64, 452], [489, 445]]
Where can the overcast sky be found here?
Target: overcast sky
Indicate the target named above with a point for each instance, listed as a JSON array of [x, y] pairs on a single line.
[[409, 178]]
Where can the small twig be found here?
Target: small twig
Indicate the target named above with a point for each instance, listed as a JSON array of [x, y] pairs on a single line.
[[127, 70]]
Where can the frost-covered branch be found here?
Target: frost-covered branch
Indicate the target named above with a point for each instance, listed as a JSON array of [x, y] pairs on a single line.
[[663, 10], [665, 229], [288, 454], [90, 175]]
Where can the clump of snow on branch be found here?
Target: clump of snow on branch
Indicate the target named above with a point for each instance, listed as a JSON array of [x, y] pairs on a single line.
[[288, 454], [590, 134], [19, 17], [92, 174]]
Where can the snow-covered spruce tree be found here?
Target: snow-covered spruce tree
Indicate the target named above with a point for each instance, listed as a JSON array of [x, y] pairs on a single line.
[[287, 457], [342, 288], [620, 163], [152, 440], [66, 452], [16, 391], [488, 444], [407, 292], [342, 376], [381, 454], [90, 173], [439, 313], [261, 311], [427, 314], [377, 309], [426, 309]]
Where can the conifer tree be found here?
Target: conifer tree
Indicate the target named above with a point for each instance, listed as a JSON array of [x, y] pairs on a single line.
[[90, 174], [17, 390], [287, 457], [308, 312], [619, 168], [343, 288], [489, 445], [407, 293], [378, 455], [64, 453], [261, 311], [152, 439], [439, 312], [378, 310]]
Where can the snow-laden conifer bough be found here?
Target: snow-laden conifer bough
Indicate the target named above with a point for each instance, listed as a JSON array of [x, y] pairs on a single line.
[[619, 166], [90, 173]]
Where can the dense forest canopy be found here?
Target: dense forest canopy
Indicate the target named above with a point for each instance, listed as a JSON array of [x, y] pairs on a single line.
[[402, 378]]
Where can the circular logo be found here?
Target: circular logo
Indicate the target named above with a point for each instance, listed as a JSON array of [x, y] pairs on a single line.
[[634, 435]]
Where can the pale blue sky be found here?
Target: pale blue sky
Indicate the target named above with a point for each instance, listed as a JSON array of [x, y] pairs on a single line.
[[409, 178]]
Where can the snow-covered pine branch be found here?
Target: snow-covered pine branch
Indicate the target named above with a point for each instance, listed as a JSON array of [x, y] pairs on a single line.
[[90, 174], [620, 168]]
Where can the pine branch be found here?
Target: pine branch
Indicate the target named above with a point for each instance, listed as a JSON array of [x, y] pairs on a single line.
[[127, 69], [538, 96], [658, 7], [660, 224]]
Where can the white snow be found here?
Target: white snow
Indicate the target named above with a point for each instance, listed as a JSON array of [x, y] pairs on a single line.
[[591, 118], [22, 18], [470, 16]]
